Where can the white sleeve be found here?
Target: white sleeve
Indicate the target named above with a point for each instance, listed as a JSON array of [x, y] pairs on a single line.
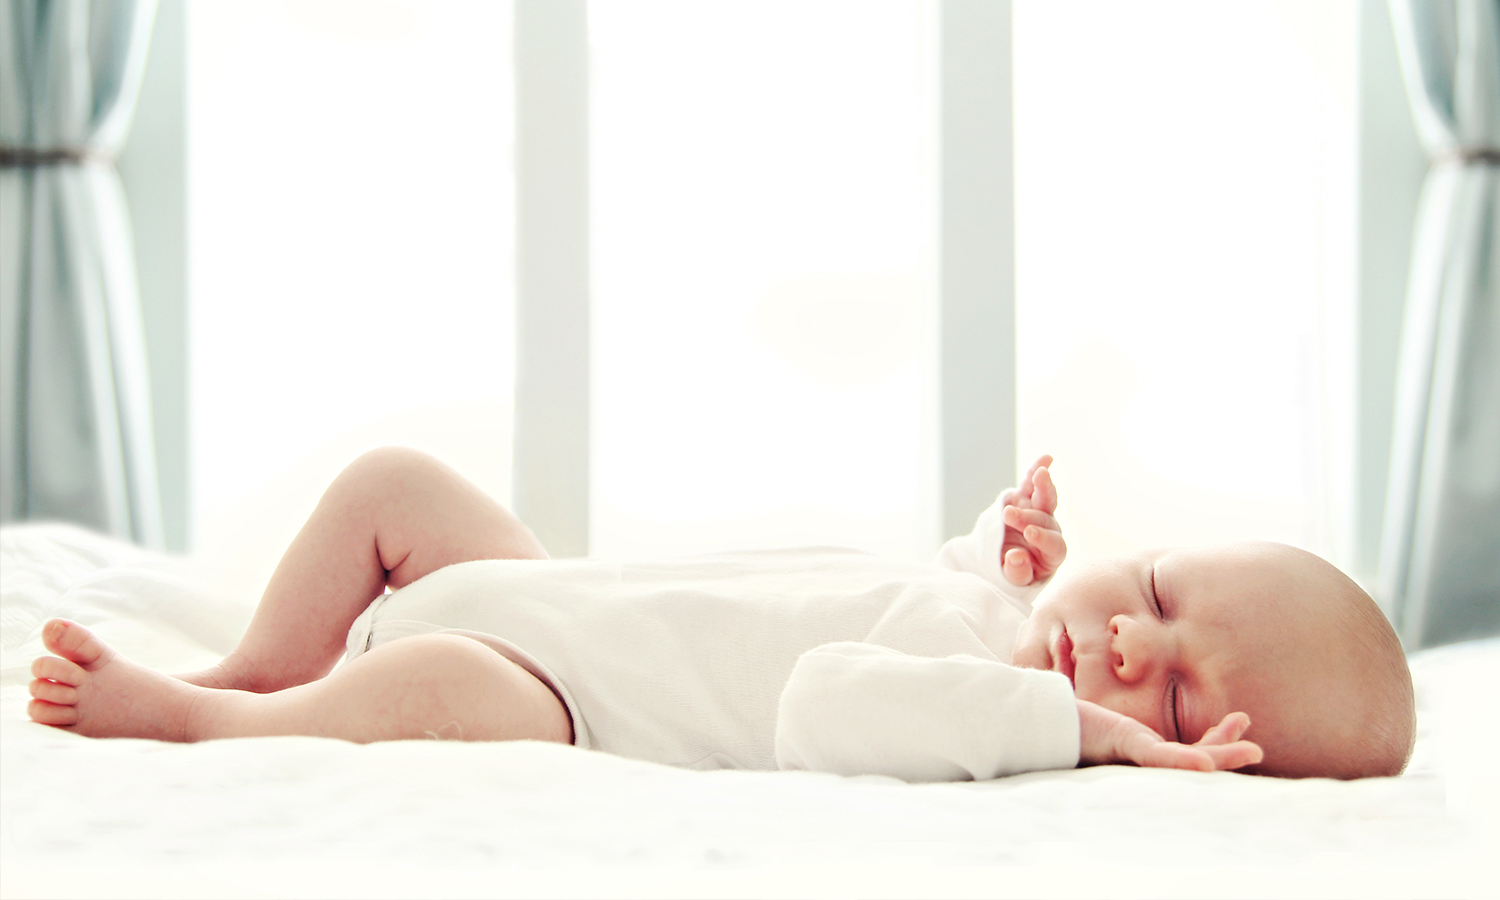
[[863, 709], [978, 553]]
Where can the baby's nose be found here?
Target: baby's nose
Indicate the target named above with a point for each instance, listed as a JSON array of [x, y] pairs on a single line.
[[1129, 648]]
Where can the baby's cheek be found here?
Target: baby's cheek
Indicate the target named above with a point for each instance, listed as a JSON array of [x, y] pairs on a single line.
[[1127, 703], [1031, 649]]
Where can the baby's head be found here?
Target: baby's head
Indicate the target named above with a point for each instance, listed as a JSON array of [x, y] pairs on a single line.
[[1178, 639]]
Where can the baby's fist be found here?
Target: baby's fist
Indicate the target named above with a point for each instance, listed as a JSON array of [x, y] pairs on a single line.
[[1033, 548]]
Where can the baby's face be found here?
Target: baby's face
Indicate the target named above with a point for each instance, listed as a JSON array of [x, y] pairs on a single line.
[[1178, 639]]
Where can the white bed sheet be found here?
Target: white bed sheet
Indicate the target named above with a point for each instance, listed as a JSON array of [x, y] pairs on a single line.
[[314, 817]]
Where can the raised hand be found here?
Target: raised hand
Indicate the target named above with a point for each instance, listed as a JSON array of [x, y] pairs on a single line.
[[1033, 546], [1107, 737]]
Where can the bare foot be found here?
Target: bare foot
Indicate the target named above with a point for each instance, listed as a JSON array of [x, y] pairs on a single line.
[[90, 689]]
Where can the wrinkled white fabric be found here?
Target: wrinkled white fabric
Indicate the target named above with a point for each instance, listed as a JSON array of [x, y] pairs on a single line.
[[315, 817], [856, 709]]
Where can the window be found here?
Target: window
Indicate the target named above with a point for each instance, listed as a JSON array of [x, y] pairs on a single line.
[[764, 288], [351, 243], [1185, 226]]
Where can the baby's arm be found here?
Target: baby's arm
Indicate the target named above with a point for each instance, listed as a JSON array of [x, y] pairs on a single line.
[[862, 709], [1017, 542]]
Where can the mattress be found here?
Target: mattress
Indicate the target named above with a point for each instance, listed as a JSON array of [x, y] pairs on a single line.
[[311, 817]]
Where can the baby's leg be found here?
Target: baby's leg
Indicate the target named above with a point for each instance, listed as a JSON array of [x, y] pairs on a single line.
[[393, 516], [431, 686]]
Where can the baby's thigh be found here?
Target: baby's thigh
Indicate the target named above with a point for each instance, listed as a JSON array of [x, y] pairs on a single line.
[[470, 692]]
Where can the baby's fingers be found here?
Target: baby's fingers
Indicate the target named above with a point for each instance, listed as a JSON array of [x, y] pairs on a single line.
[[1017, 567], [1235, 755], [1149, 750], [1043, 490], [1028, 484], [1048, 544], [1229, 730], [1040, 530], [1018, 517], [1169, 755], [1045, 540]]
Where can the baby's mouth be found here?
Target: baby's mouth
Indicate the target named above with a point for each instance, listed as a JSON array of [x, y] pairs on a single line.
[[1063, 657]]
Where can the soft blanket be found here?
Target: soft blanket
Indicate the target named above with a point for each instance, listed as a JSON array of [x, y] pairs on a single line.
[[313, 817]]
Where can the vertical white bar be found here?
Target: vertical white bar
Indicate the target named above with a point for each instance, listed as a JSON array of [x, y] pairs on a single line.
[[551, 464], [153, 170], [978, 349]]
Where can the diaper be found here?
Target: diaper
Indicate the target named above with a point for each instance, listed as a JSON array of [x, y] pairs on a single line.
[[371, 629]]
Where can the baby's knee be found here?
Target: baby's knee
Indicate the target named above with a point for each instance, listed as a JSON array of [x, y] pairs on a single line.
[[388, 463], [387, 475]]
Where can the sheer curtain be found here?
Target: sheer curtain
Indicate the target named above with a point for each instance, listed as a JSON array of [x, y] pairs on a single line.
[[1439, 576], [76, 417]]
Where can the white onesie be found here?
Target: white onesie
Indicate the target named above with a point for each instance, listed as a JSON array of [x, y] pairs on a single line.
[[824, 659]]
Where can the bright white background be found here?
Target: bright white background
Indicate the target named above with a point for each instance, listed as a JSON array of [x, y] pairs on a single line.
[[351, 251], [1185, 222], [764, 281], [764, 207]]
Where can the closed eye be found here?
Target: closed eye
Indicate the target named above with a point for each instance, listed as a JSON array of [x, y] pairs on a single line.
[[1173, 712]]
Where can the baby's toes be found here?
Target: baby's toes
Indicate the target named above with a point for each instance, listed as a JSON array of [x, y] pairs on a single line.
[[72, 641], [52, 692], [58, 670], [46, 713]]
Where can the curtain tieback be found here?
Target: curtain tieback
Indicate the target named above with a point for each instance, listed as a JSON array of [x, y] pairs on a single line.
[[30, 158], [1469, 156]]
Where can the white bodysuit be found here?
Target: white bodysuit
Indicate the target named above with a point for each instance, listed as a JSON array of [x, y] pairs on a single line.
[[823, 659]]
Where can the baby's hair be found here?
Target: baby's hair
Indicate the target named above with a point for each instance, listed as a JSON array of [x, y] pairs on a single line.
[[1370, 679], [1392, 728], [1363, 712]]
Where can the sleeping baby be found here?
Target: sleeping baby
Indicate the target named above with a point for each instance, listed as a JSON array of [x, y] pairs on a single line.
[[455, 625]]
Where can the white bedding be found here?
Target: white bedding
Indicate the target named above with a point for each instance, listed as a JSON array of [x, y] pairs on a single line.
[[313, 817]]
